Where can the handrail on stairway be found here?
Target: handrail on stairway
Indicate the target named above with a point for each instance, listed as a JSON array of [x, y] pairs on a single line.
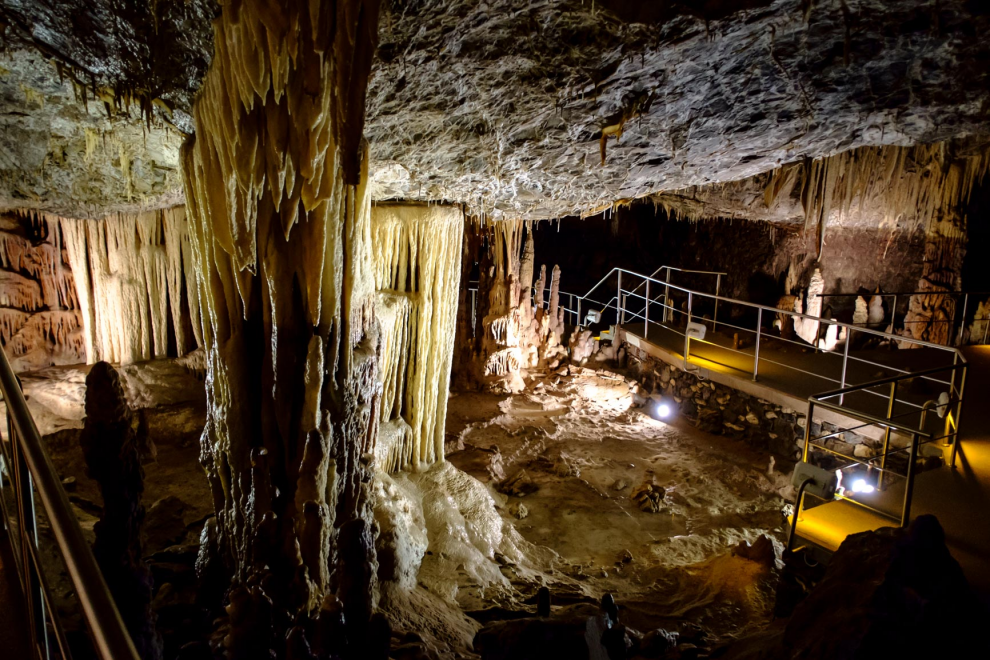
[[32, 474]]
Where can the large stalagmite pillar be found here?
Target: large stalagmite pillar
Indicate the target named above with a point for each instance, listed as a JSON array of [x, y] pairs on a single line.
[[280, 233]]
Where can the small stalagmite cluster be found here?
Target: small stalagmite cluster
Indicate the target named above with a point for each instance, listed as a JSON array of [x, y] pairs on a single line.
[[518, 326]]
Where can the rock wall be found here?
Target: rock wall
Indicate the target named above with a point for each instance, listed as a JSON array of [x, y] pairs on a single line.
[[41, 321], [715, 408], [757, 256]]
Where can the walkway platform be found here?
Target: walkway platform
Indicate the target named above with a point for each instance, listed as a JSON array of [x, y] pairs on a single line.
[[788, 374], [960, 497]]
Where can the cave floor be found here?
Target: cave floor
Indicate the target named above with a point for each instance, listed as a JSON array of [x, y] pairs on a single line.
[[566, 458], [561, 461]]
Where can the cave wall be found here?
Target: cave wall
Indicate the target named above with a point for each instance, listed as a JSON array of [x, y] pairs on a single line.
[[755, 255], [41, 321], [81, 291]]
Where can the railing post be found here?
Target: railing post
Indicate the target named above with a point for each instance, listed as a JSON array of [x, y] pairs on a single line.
[[620, 316], [718, 286], [666, 298], [955, 439], [807, 430], [962, 321], [909, 485], [845, 363], [756, 353], [646, 313], [893, 313], [27, 524], [687, 334], [578, 324], [886, 434]]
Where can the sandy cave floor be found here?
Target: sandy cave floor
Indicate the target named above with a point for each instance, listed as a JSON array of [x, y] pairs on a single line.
[[581, 446], [577, 447]]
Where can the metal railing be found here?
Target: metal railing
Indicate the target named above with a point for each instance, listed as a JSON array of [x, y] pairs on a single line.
[[28, 478], [637, 296], [957, 324], [636, 308], [572, 308], [892, 422]]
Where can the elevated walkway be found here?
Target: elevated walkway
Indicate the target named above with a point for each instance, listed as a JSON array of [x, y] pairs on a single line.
[[867, 383], [959, 498]]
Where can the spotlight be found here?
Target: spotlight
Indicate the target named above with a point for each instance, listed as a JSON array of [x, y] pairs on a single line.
[[860, 486], [663, 410]]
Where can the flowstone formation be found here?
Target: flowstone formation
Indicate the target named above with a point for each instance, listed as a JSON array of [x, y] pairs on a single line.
[[135, 280], [281, 242], [112, 441], [517, 326], [417, 273], [41, 322]]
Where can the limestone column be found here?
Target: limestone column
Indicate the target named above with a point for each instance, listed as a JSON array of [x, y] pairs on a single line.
[[280, 241]]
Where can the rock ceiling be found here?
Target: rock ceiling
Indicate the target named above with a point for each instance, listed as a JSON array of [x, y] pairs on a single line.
[[508, 106]]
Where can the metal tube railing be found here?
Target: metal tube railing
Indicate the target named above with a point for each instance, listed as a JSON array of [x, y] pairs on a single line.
[[39, 478]]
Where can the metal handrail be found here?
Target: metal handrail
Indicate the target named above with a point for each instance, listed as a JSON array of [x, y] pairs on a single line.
[[888, 425], [110, 637], [623, 295]]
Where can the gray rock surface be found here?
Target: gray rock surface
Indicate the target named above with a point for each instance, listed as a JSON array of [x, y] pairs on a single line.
[[502, 104]]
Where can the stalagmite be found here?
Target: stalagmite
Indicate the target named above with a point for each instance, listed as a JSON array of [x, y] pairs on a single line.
[[281, 239], [876, 314], [515, 330], [111, 442], [417, 273], [805, 328]]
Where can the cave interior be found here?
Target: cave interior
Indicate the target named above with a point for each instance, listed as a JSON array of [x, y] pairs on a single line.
[[487, 329]]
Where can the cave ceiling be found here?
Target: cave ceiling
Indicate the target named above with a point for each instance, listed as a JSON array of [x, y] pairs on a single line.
[[507, 106]]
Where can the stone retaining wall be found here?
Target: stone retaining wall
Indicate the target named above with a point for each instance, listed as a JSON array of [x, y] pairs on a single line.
[[716, 408]]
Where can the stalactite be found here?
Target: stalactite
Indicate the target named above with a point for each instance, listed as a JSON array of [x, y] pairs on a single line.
[[912, 185], [132, 282], [280, 235], [417, 257]]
